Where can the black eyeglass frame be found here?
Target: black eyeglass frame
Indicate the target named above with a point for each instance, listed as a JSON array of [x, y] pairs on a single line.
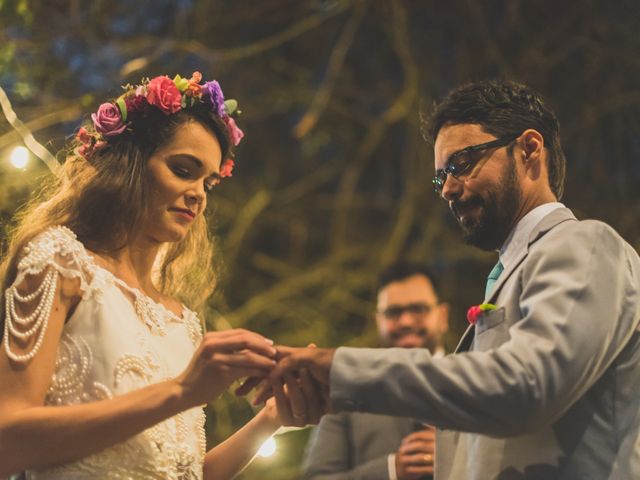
[[452, 169]]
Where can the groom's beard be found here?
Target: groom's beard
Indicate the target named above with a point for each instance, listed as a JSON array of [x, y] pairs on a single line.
[[498, 209]]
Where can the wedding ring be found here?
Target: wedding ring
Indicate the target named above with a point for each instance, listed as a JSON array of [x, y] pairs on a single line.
[[428, 458]]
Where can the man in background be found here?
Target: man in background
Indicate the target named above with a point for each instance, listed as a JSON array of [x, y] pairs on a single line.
[[353, 446]]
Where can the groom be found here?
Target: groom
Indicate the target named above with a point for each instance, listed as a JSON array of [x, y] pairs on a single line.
[[545, 383]]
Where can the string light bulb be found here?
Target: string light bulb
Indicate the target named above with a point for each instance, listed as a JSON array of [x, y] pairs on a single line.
[[19, 157], [268, 448]]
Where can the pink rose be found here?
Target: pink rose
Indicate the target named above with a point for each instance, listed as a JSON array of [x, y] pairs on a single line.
[[473, 313], [108, 120], [164, 94], [227, 168], [234, 131]]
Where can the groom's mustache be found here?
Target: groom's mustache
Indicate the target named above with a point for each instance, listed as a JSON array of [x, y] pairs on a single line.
[[458, 206]]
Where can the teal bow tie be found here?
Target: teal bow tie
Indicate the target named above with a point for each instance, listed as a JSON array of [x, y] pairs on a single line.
[[493, 276]]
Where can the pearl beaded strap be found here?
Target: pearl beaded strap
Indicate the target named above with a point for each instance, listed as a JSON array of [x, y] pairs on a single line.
[[30, 325]]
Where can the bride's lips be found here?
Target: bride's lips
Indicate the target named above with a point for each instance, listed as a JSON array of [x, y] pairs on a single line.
[[184, 212]]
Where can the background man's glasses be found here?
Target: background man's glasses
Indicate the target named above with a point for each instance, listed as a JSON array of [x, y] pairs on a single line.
[[463, 160], [416, 310]]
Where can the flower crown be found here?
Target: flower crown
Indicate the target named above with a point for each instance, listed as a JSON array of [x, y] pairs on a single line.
[[170, 96]]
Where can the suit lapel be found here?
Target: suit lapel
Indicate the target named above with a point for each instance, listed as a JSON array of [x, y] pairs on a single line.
[[466, 340], [546, 224]]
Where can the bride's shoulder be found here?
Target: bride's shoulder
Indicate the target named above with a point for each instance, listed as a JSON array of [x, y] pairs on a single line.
[[56, 248]]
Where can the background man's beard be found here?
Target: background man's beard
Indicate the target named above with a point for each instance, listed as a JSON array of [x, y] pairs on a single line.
[[428, 341], [497, 214]]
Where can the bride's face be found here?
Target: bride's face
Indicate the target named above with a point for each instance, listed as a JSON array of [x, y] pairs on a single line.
[[181, 173]]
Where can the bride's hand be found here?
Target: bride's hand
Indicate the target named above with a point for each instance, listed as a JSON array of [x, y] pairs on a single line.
[[222, 358]]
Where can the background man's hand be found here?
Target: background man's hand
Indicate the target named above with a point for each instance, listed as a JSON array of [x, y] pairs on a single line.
[[415, 456]]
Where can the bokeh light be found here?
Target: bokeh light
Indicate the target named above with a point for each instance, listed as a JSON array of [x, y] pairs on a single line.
[[19, 157], [268, 448]]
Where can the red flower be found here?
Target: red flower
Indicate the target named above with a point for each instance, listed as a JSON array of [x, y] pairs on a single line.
[[227, 168], [83, 135], [136, 103], [475, 311], [164, 94]]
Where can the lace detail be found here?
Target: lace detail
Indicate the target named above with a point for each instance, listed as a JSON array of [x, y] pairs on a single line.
[[55, 251], [134, 365], [108, 348], [70, 383]]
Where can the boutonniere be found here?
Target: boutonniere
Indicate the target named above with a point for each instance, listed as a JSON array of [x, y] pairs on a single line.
[[475, 311]]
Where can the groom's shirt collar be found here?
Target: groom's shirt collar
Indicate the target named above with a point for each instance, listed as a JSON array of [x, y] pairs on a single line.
[[517, 240]]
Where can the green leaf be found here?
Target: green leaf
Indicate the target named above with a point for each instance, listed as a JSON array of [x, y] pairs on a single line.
[[181, 83], [230, 106], [122, 105]]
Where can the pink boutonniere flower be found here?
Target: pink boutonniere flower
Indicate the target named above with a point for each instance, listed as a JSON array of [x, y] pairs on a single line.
[[476, 310]]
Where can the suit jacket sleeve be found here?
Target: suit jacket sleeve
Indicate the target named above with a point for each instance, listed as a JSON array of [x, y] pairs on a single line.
[[577, 305], [330, 454]]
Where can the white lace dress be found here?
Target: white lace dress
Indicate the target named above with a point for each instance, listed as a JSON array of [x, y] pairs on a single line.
[[117, 340]]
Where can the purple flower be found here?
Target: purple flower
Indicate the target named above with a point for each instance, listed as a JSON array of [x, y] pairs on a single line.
[[213, 92], [108, 120]]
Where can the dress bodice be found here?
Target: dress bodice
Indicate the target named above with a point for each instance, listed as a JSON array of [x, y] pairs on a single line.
[[117, 340]]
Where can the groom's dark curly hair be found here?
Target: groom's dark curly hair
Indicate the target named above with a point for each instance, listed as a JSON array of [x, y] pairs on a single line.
[[502, 108]]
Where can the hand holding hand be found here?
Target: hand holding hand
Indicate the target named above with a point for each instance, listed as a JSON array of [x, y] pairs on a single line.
[[222, 358], [291, 361], [301, 393], [415, 457]]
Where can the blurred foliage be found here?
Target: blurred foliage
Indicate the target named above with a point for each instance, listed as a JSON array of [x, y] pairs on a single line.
[[333, 179]]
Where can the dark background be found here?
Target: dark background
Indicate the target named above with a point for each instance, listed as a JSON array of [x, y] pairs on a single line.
[[333, 180]]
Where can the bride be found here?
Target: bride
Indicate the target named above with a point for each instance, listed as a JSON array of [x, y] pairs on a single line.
[[104, 370]]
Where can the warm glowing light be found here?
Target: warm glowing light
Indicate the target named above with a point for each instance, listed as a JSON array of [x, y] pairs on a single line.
[[19, 157], [268, 448]]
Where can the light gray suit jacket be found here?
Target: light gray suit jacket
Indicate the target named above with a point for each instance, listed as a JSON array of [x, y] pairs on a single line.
[[354, 446], [550, 385]]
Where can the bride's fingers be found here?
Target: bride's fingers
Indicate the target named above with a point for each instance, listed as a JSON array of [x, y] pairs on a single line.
[[282, 403], [248, 385], [238, 342], [243, 359], [297, 400], [312, 395]]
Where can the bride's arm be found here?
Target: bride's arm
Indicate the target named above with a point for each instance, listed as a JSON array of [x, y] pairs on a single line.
[[229, 458], [300, 394], [36, 436]]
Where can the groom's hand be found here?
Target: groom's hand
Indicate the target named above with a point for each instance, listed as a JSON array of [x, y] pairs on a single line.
[[316, 360], [305, 374]]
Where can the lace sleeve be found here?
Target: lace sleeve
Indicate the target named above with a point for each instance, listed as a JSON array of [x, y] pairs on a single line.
[[54, 252]]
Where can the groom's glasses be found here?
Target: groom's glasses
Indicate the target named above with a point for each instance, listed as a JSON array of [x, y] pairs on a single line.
[[416, 310], [463, 160]]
